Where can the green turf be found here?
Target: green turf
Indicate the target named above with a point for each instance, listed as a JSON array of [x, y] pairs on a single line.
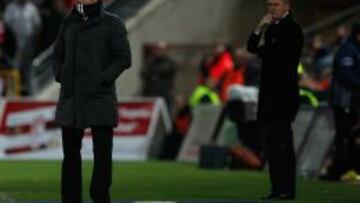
[[38, 180]]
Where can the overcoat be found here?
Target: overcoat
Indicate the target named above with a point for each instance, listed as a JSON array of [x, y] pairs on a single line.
[[89, 55]]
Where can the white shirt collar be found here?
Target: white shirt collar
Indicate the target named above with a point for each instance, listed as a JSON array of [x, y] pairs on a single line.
[[282, 17]]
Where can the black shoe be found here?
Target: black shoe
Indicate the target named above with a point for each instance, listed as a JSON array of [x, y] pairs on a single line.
[[282, 196], [285, 196], [270, 196], [329, 178]]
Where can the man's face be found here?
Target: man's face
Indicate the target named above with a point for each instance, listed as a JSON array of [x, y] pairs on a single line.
[[87, 2], [277, 8]]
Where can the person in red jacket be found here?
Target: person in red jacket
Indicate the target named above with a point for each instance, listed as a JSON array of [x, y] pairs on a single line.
[[69, 4], [222, 64], [234, 76]]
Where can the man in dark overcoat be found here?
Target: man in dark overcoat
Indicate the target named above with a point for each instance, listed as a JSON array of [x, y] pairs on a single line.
[[279, 92], [90, 53]]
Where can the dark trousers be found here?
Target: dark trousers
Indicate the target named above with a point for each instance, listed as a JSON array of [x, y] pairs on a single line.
[[279, 149], [71, 176], [345, 145]]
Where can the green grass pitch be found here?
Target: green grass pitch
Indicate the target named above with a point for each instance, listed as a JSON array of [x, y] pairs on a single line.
[[162, 181]]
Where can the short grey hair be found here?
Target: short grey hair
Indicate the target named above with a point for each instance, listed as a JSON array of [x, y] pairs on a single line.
[[286, 1]]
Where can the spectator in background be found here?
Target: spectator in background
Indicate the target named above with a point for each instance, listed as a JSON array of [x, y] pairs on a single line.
[[205, 66], [7, 39], [52, 14], [223, 63], [23, 18], [181, 124], [279, 93], [10, 77], [342, 34], [183, 117], [4, 65], [158, 74], [204, 94], [238, 110], [320, 55], [5, 74], [314, 81], [345, 101], [234, 75]]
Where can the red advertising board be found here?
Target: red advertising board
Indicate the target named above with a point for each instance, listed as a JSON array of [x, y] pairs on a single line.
[[134, 117], [28, 129]]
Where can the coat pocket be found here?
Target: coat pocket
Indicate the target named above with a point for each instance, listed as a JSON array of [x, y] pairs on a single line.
[[106, 89]]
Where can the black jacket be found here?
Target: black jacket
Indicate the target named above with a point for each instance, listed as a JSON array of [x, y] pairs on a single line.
[[345, 85], [88, 57], [280, 54]]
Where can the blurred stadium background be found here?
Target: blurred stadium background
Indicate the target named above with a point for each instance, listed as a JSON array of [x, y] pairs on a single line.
[[168, 147]]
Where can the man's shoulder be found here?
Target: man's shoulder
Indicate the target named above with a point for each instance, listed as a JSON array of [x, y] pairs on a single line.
[[112, 18], [114, 22], [348, 48], [293, 28], [293, 24]]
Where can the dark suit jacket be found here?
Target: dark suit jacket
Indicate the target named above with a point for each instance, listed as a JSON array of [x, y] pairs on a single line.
[[279, 91]]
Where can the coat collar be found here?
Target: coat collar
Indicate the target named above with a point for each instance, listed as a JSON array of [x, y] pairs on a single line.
[[76, 16], [288, 17]]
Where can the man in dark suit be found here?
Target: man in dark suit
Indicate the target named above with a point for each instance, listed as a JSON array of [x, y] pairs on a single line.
[[279, 92], [90, 53]]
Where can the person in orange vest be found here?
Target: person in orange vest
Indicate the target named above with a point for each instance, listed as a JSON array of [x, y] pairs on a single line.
[[235, 75], [223, 63], [181, 124]]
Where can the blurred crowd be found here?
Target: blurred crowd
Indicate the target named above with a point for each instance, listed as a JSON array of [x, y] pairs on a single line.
[[225, 66], [27, 27]]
